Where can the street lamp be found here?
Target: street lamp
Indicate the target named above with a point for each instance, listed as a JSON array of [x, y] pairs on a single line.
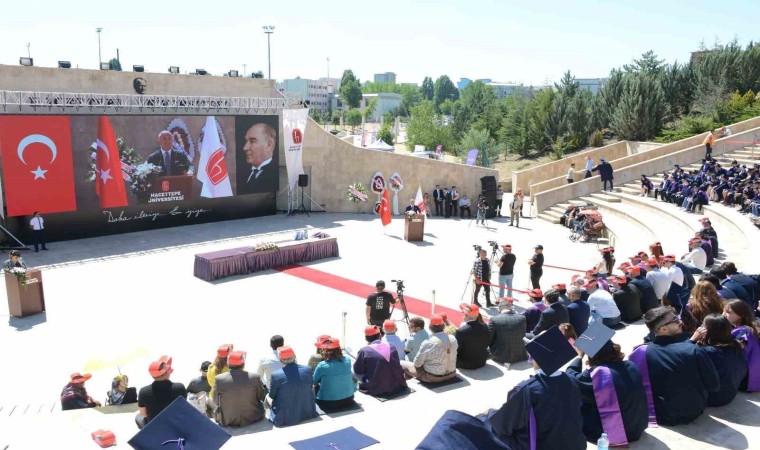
[[100, 58], [269, 29]]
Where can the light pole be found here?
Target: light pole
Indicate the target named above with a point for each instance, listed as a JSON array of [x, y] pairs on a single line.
[[328, 67], [28, 49], [269, 29], [244, 66], [100, 58]]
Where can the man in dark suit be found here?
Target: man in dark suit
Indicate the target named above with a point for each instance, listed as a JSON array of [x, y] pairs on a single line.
[[473, 338], [259, 172], [605, 171], [412, 208], [170, 160], [507, 332], [554, 314], [728, 283], [438, 198], [447, 202], [751, 286]]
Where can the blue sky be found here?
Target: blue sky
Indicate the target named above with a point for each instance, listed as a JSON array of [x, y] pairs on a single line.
[[520, 41]]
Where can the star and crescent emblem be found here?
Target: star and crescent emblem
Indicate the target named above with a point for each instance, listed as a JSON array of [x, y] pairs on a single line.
[[104, 174], [39, 173]]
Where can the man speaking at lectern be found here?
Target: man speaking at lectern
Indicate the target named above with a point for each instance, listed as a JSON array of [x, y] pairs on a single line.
[[171, 161]]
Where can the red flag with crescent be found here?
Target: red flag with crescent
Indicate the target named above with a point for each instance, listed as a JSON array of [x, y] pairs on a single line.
[[385, 209], [109, 183], [38, 166]]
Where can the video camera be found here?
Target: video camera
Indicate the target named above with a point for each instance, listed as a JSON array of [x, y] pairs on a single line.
[[494, 245], [477, 247], [399, 284]]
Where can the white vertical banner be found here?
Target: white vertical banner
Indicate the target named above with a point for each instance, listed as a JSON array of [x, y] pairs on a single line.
[[294, 126], [212, 167]]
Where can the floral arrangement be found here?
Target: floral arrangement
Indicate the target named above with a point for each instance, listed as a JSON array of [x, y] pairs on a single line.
[[357, 193], [20, 274], [142, 176], [264, 246], [129, 157]]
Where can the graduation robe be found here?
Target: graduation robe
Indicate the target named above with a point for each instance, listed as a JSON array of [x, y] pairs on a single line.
[[732, 369], [379, 368]]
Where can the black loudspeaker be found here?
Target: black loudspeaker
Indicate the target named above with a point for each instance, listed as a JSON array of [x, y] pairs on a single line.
[[303, 180], [488, 183]]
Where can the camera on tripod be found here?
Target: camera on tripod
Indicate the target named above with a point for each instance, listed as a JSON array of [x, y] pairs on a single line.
[[399, 284], [477, 247], [494, 245]]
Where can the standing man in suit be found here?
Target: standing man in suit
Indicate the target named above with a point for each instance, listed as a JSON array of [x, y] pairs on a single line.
[[447, 202], [554, 314], [259, 173], [454, 201], [438, 198], [171, 161]]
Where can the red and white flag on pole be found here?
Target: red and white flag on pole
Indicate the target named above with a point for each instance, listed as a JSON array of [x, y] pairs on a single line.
[[109, 182], [385, 209], [212, 168], [419, 201]]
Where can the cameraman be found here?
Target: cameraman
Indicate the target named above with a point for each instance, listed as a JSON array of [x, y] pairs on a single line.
[[481, 272], [379, 305]]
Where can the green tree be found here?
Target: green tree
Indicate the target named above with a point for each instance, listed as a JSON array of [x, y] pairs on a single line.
[[380, 88], [578, 120], [353, 117], [114, 64], [426, 129], [411, 96], [428, 89], [444, 88], [648, 64], [336, 115], [369, 110], [481, 140], [350, 89], [638, 116], [385, 133], [447, 107], [515, 130]]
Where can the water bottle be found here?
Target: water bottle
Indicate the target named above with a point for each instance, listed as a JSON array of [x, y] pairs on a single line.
[[603, 443]]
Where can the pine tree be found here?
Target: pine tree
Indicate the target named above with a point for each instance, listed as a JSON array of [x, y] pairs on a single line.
[[639, 114]]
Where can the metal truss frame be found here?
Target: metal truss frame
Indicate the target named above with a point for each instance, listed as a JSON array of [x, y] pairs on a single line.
[[29, 102]]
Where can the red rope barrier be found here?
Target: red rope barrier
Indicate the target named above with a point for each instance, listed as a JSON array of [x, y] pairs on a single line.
[[566, 268], [499, 286]]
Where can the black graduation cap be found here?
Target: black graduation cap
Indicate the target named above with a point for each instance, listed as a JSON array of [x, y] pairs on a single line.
[[594, 338], [180, 427], [551, 350]]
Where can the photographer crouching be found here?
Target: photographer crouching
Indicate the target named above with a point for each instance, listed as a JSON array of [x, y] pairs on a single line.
[[481, 273]]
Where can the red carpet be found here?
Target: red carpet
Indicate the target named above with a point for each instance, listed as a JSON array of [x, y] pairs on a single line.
[[415, 306]]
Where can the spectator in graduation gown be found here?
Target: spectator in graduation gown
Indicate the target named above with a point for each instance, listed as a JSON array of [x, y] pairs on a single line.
[[714, 336], [377, 365], [554, 314], [751, 286], [549, 402], [461, 431], [627, 298], [649, 299], [747, 332], [680, 374], [626, 387]]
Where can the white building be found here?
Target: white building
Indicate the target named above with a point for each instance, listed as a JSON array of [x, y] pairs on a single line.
[[385, 102], [318, 93]]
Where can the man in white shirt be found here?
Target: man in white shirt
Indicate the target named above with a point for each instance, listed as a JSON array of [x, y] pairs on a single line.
[[38, 225], [696, 259], [589, 166], [601, 302], [389, 327], [464, 205], [676, 274], [437, 359], [571, 173], [660, 280], [271, 362]]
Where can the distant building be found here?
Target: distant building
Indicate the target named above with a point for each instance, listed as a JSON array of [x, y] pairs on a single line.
[[385, 102], [463, 82], [387, 77], [592, 85], [317, 93], [503, 90]]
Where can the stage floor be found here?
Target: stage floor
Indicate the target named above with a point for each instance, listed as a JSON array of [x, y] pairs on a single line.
[[119, 302]]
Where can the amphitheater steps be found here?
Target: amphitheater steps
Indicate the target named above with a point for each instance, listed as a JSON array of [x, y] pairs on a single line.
[[605, 197]]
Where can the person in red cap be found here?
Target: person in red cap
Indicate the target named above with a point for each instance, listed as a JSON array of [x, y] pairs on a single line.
[[562, 289], [74, 395], [601, 303], [316, 358], [219, 366], [533, 313], [291, 391], [333, 381], [696, 259], [507, 333], [676, 274], [555, 313], [390, 337], [605, 267], [627, 298], [660, 280], [437, 358], [378, 366], [153, 398], [240, 395], [473, 338], [649, 298]]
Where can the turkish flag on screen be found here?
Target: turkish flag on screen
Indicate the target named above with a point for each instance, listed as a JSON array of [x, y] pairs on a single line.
[[38, 167], [109, 182], [385, 209]]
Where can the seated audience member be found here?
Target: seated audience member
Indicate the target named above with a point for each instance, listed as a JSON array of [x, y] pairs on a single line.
[[391, 338], [724, 293], [704, 301], [710, 232], [436, 360], [121, 393], [448, 327], [616, 385], [747, 332], [728, 283], [291, 391], [419, 335], [219, 366], [696, 259], [468, 432], [649, 298], [333, 381], [533, 313], [678, 298], [605, 267], [378, 366], [646, 186], [472, 338], [660, 279], [554, 314], [562, 289], [627, 298], [656, 250], [153, 398], [602, 303], [239, 394], [675, 272], [316, 358], [727, 355], [748, 283], [74, 395], [547, 403], [271, 361], [507, 332], [200, 383], [679, 373], [464, 205], [578, 311]]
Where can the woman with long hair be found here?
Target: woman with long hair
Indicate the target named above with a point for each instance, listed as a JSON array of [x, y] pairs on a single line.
[[726, 354], [626, 386], [656, 251], [605, 267], [747, 332], [219, 365], [333, 378], [704, 301]]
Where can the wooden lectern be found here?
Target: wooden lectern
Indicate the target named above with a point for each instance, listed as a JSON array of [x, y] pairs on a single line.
[[28, 299], [414, 227]]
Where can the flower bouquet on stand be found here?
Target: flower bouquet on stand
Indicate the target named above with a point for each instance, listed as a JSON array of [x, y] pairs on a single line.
[[143, 176], [264, 246], [357, 194], [19, 273]]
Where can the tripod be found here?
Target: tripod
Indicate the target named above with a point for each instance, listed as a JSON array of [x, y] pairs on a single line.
[[302, 208], [480, 214], [400, 296]]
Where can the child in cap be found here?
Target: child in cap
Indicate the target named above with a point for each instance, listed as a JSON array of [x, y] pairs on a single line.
[[74, 395]]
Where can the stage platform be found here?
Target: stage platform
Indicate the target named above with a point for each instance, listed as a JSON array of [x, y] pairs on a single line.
[[118, 302]]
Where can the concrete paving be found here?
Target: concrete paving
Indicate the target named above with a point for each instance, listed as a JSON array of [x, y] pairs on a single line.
[[117, 303]]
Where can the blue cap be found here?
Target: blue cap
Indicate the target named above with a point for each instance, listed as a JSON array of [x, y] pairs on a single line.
[[594, 338], [551, 350], [180, 426]]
